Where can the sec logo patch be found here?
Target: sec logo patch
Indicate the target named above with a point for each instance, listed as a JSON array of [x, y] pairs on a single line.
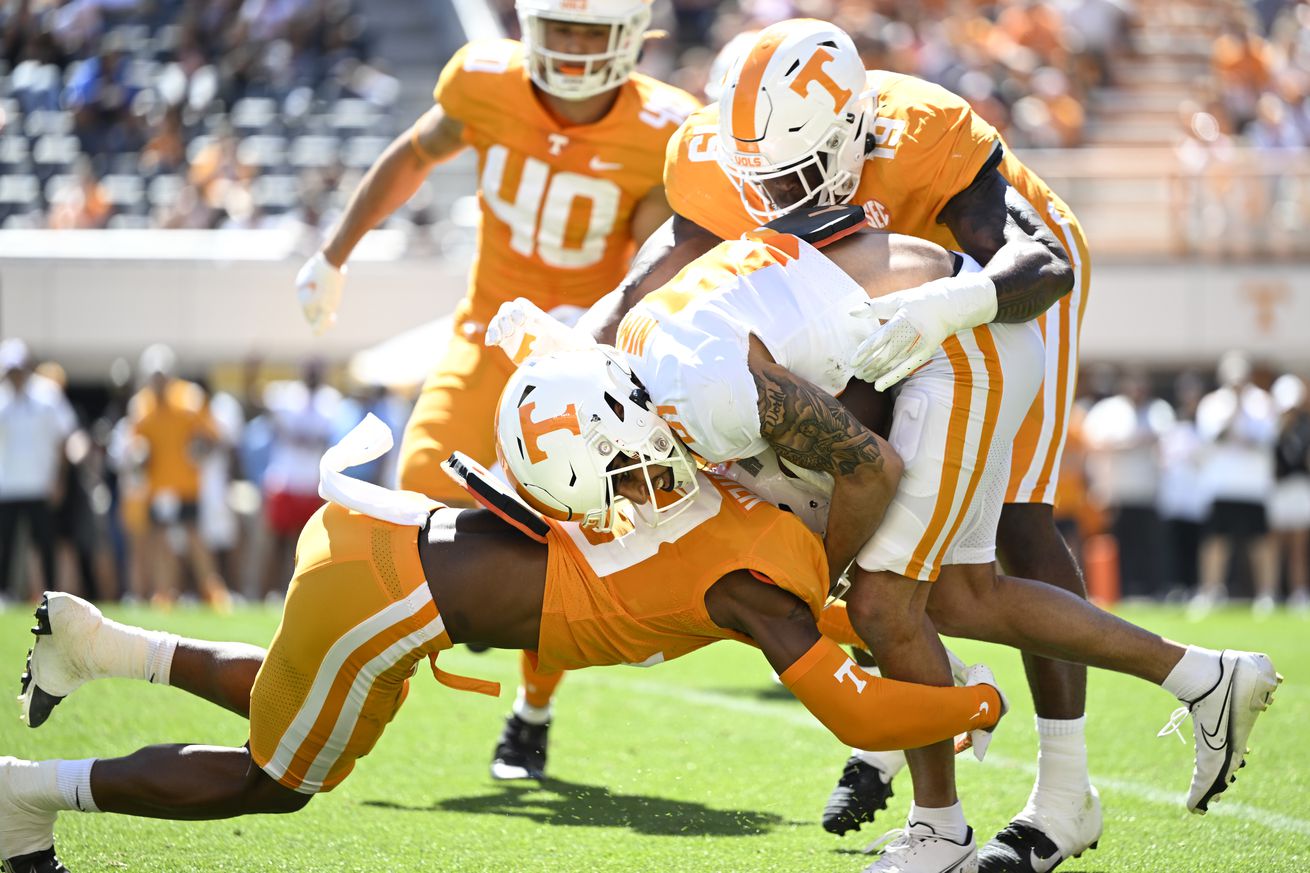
[[876, 214]]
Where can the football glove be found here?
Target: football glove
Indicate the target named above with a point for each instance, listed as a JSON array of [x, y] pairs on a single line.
[[916, 321], [521, 329], [319, 285]]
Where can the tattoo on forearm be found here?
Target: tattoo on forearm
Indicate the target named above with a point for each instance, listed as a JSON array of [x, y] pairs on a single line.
[[996, 226], [809, 427]]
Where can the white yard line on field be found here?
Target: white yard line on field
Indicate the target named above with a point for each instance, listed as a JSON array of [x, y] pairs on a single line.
[[799, 717]]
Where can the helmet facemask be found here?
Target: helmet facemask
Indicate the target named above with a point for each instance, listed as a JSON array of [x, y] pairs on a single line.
[[827, 175], [572, 76], [660, 452]]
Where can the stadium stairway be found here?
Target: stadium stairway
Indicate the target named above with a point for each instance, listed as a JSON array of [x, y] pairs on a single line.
[[1172, 42]]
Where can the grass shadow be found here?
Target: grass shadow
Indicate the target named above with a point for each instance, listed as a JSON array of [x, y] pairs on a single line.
[[559, 802]]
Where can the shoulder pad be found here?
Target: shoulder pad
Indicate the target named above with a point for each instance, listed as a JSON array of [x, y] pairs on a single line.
[[495, 495], [820, 225]]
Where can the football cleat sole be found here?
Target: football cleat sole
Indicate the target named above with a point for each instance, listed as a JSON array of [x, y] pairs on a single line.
[[36, 704]]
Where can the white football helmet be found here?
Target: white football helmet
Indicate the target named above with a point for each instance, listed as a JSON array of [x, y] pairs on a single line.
[[578, 76], [794, 116], [569, 424]]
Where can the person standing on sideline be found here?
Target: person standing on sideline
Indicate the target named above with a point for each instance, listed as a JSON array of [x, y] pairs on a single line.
[[35, 422]]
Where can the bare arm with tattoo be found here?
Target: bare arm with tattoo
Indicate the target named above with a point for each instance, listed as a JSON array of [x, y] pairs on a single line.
[[1000, 230], [810, 428]]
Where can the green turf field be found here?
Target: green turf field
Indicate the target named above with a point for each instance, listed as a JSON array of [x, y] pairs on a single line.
[[702, 764]]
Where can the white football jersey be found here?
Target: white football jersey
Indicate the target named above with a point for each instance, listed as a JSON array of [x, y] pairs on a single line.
[[687, 341]]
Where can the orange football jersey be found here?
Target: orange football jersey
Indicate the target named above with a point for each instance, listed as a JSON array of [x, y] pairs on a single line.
[[171, 429], [607, 602], [556, 200], [930, 147]]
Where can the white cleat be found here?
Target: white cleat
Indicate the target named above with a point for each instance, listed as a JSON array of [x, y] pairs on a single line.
[[981, 738], [1222, 719], [918, 849], [1040, 838], [66, 633], [23, 830]]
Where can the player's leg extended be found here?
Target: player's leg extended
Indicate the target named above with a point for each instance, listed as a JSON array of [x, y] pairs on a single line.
[[1062, 816], [522, 748], [888, 611], [75, 643], [1224, 691], [455, 411]]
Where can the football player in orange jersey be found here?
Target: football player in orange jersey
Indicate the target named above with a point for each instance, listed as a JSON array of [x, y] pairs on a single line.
[[386, 578], [802, 122], [745, 351], [570, 143]]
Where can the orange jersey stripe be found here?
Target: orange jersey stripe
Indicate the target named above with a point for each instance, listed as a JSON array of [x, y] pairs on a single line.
[[955, 441], [991, 412]]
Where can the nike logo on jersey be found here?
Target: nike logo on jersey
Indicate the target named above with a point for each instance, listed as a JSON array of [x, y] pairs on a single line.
[[599, 166], [1043, 865]]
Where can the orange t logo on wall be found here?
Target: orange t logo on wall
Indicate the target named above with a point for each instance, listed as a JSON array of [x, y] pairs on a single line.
[[813, 71], [534, 430]]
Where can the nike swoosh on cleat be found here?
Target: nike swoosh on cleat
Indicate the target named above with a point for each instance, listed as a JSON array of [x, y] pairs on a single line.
[[1043, 865]]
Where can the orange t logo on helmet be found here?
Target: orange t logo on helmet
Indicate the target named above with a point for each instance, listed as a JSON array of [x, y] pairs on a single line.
[[813, 71], [534, 430]]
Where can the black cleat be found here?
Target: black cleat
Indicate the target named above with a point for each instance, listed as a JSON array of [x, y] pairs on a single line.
[[859, 794], [1021, 848], [521, 752], [44, 861]]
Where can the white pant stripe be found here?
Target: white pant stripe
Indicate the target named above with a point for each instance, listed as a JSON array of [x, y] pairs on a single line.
[[359, 690], [351, 640]]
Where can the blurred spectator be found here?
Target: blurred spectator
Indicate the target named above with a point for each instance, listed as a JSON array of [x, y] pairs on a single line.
[[174, 432], [1183, 503], [394, 413], [217, 520], [1238, 422], [1122, 435], [1289, 506], [302, 415], [1242, 63], [80, 203], [35, 422], [100, 96]]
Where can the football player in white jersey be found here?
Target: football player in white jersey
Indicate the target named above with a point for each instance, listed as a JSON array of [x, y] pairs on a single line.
[[745, 350]]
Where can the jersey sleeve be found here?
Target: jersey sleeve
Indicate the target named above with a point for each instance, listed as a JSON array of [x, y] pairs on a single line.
[[467, 88], [949, 142], [790, 556], [697, 189], [723, 419]]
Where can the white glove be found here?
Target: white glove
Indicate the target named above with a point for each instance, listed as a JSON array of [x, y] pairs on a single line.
[[916, 321], [521, 329], [319, 285]]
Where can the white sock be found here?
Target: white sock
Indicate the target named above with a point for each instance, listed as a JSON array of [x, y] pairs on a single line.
[[1194, 675], [946, 821], [888, 763], [1061, 760], [529, 713], [130, 652], [54, 786], [74, 780]]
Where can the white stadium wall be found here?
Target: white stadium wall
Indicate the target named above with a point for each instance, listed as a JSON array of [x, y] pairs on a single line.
[[83, 298]]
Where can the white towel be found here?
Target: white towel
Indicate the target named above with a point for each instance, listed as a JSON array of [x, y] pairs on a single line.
[[369, 440]]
